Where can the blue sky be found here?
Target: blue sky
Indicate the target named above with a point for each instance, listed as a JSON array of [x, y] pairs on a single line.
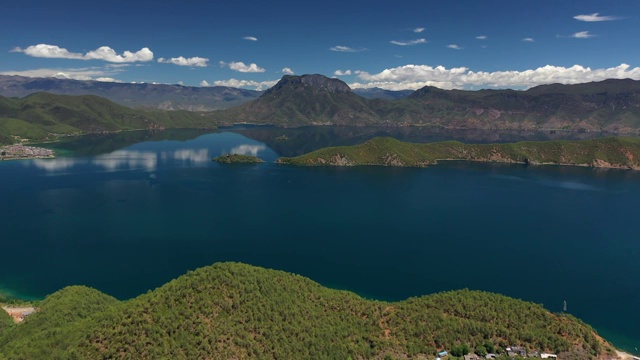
[[394, 45]]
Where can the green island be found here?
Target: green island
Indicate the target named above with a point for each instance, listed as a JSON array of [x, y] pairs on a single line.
[[612, 152], [237, 311], [237, 159]]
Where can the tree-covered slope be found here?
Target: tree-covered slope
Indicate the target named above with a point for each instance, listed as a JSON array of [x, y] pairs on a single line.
[[613, 152], [232, 310], [43, 116]]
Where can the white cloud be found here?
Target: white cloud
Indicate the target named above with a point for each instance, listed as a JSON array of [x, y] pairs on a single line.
[[342, 73], [246, 84], [341, 48], [582, 35], [481, 37], [182, 61], [418, 76], [108, 79], [454, 46], [528, 39], [204, 83], [181, 82], [104, 53], [87, 73], [409, 42], [287, 71], [595, 17], [250, 38], [418, 30], [242, 67]]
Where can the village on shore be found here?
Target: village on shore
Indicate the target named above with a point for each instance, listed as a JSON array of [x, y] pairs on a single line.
[[18, 152]]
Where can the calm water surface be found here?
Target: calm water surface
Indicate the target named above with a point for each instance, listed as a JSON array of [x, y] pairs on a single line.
[[127, 215]]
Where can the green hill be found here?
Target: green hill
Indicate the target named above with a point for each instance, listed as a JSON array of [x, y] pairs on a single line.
[[613, 152], [43, 116], [232, 310]]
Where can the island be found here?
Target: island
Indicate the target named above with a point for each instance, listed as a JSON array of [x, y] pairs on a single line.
[[237, 159], [234, 311], [18, 152], [611, 152]]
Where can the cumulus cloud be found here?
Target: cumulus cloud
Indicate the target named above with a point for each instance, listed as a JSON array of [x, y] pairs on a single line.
[[409, 42], [182, 61], [204, 83], [104, 53], [242, 67], [454, 46], [250, 38], [582, 35], [481, 37], [528, 39], [287, 71], [418, 30], [418, 76], [246, 84], [342, 73], [341, 48], [595, 17]]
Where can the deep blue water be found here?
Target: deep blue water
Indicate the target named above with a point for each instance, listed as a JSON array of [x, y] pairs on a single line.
[[129, 220]]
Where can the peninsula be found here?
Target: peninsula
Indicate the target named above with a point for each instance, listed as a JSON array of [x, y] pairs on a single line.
[[19, 152], [612, 152]]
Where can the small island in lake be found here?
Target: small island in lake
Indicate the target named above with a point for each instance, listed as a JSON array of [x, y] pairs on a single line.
[[612, 152], [237, 159]]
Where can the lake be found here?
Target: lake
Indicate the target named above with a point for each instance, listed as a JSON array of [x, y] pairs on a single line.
[[126, 213]]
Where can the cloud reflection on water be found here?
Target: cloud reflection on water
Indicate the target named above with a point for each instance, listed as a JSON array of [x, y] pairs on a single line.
[[248, 149], [123, 160]]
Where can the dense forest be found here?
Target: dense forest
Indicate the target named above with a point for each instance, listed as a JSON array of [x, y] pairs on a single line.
[[231, 310]]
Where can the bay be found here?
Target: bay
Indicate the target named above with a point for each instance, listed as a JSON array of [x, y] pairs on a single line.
[[127, 213]]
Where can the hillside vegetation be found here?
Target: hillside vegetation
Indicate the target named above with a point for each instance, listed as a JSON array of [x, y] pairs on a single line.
[[613, 152], [44, 116], [231, 310]]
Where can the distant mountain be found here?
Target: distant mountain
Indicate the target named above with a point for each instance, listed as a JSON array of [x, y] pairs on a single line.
[[377, 93], [304, 100], [237, 311], [157, 96], [607, 106], [43, 116]]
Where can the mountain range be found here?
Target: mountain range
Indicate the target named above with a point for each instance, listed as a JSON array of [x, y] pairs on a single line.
[[610, 106], [606, 106], [153, 96]]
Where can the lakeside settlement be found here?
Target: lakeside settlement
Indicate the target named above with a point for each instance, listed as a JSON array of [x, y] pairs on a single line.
[[20, 152]]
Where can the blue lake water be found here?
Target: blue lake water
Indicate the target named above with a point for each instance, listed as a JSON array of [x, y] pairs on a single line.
[[125, 216]]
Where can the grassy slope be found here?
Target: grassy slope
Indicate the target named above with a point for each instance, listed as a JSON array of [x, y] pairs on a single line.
[[614, 152], [41, 116], [231, 310]]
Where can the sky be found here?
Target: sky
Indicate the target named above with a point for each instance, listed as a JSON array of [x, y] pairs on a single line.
[[462, 44]]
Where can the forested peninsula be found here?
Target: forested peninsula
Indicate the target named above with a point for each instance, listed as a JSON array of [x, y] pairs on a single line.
[[233, 311], [612, 152]]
